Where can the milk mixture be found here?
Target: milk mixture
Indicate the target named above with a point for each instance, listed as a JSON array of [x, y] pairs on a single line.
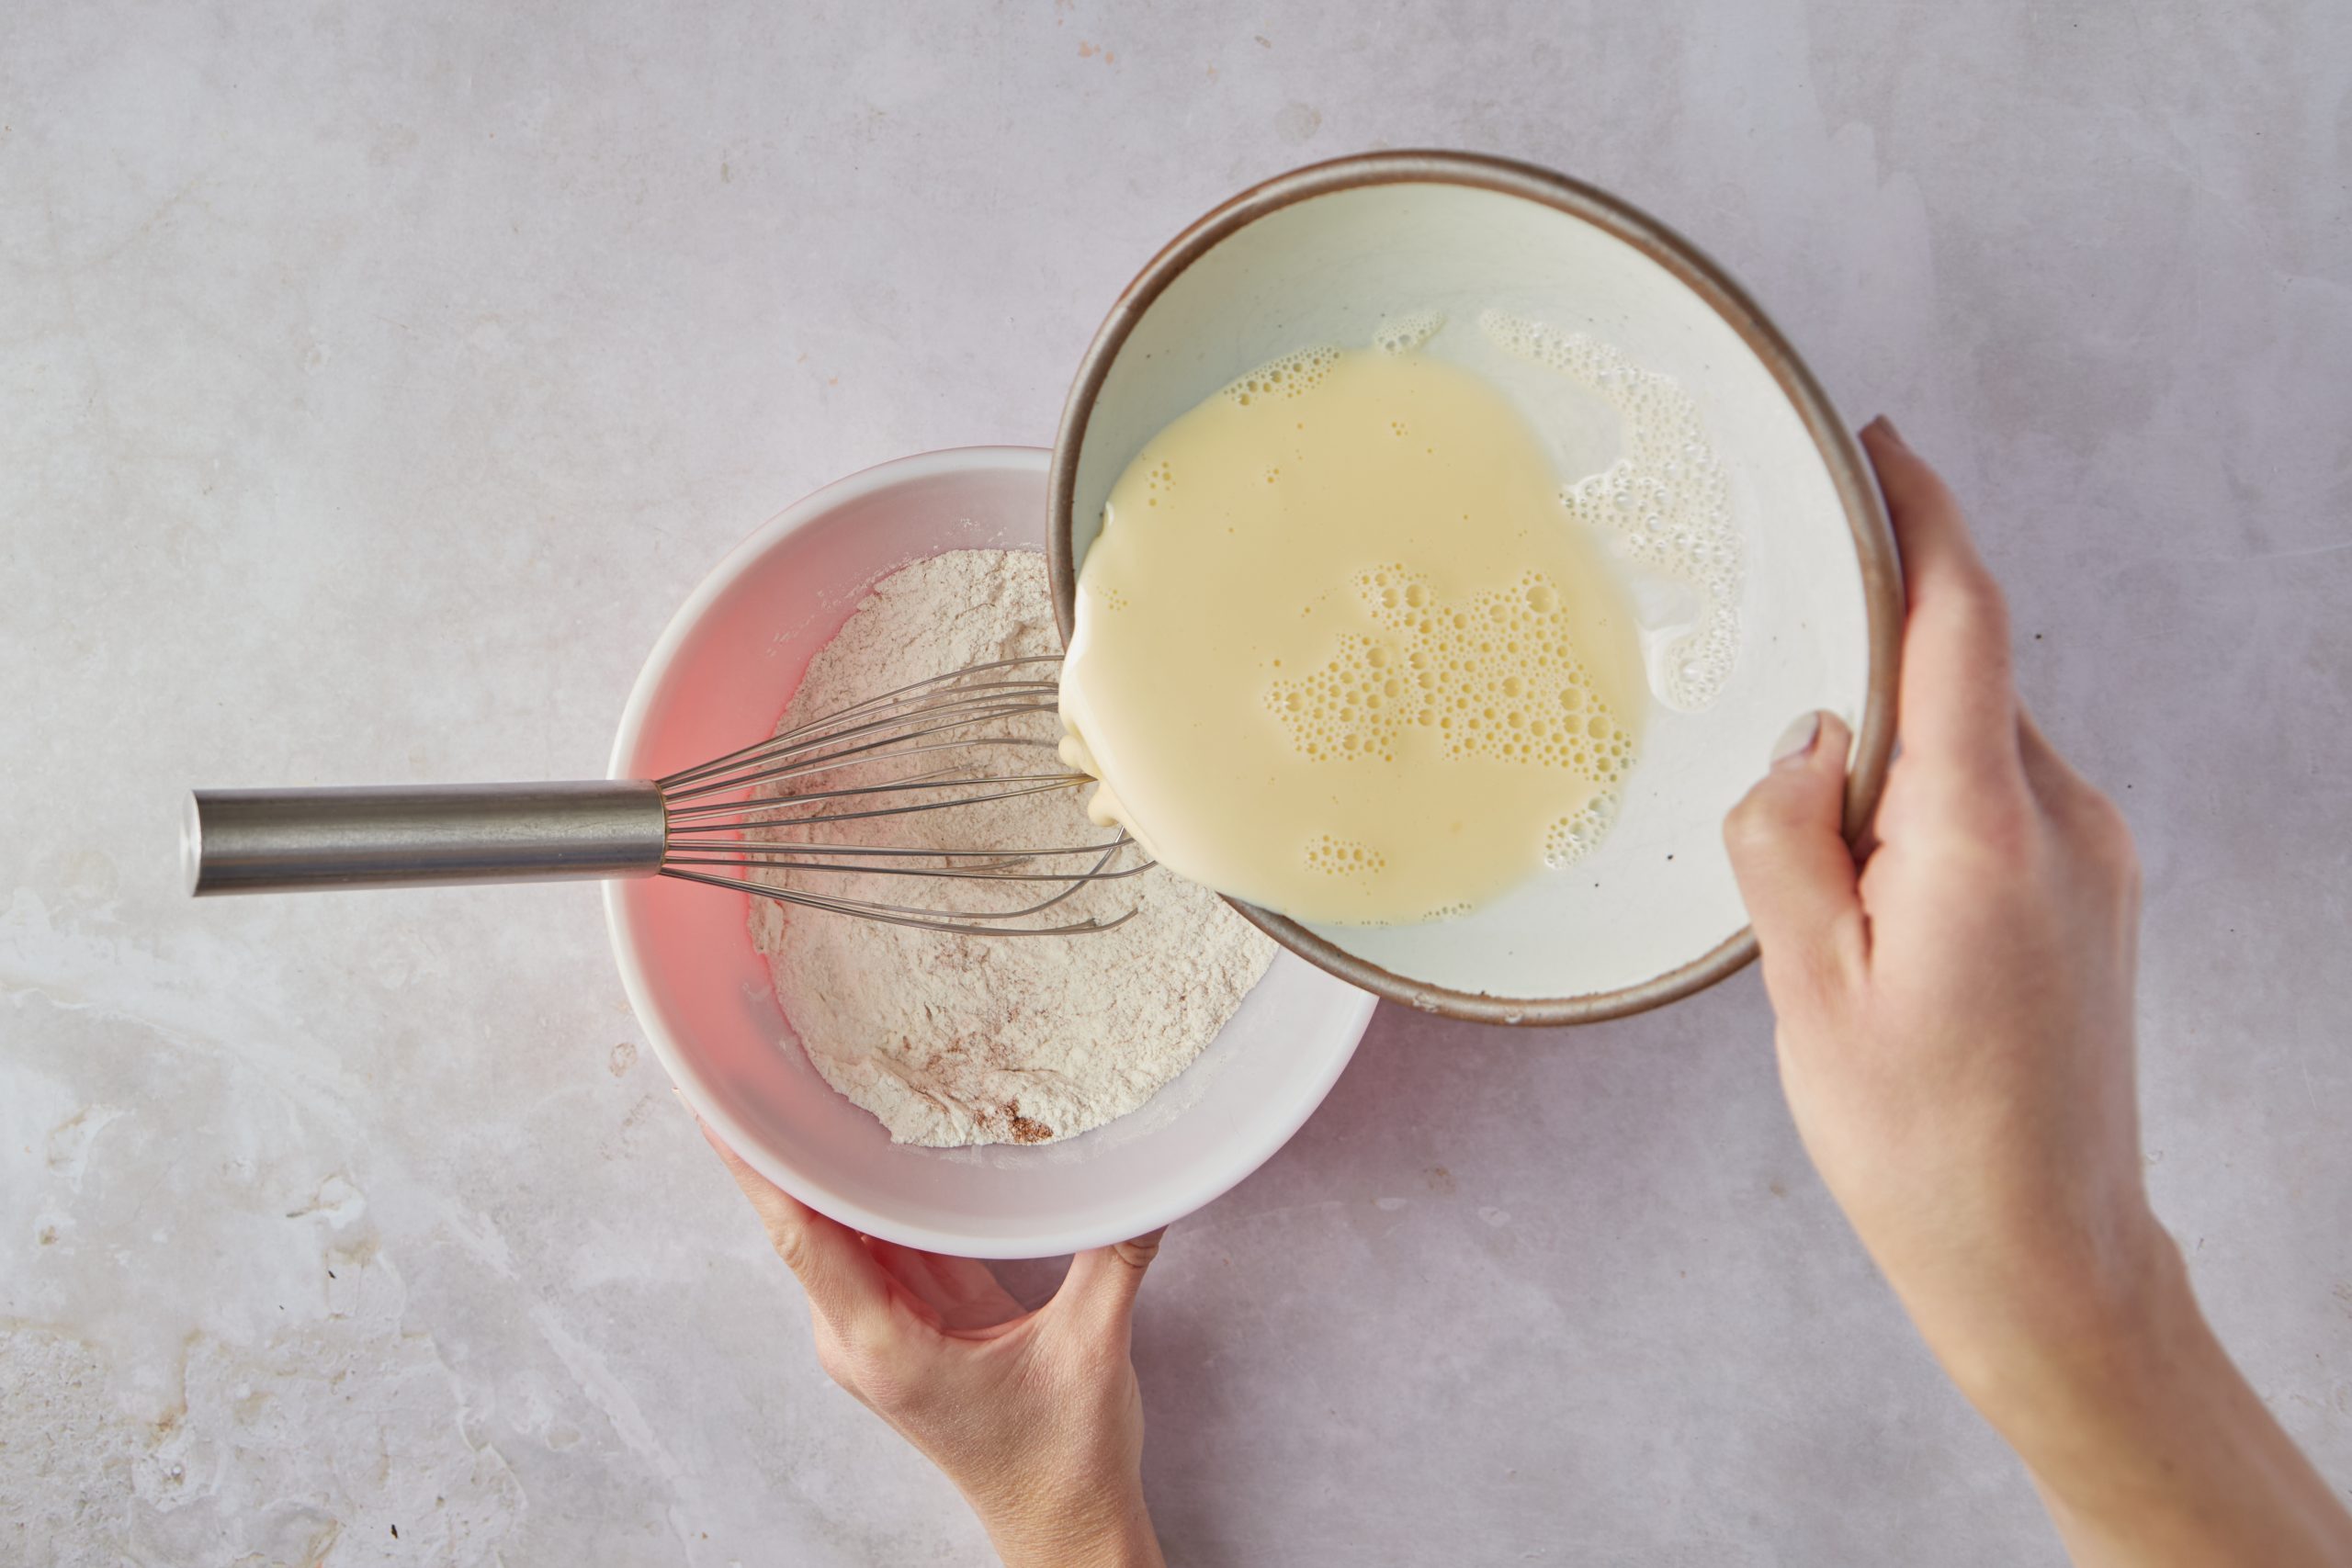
[[1347, 649]]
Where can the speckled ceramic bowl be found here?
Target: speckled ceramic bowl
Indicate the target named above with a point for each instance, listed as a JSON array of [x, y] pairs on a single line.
[[1320, 257]]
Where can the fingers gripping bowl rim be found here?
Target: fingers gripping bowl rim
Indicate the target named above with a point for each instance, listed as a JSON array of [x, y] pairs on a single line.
[[1122, 394]]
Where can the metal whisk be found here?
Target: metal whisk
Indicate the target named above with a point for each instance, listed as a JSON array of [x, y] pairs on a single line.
[[737, 821]]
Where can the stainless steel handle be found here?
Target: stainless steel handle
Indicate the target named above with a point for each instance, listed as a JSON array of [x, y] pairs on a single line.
[[278, 841]]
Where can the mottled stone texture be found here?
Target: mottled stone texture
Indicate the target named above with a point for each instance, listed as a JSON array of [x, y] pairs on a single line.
[[374, 381]]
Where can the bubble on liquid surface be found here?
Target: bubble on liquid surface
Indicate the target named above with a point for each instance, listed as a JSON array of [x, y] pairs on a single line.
[[1293, 376], [1335, 856], [1575, 836], [1158, 481], [1666, 499], [1493, 676], [1404, 333]]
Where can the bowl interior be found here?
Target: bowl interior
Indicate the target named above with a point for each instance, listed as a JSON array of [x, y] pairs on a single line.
[[720, 677], [1323, 258]]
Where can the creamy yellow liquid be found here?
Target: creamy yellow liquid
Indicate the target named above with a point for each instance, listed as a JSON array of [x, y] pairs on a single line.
[[1340, 652]]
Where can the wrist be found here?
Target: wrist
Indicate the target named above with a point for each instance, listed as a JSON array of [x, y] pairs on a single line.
[[2101, 1332], [2137, 1353], [2129, 1409], [1106, 1526], [2151, 1438]]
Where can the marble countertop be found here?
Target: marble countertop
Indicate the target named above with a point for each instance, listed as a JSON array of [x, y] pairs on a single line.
[[375, 380]]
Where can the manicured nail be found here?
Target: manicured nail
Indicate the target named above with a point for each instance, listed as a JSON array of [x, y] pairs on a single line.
[[1797, 741]]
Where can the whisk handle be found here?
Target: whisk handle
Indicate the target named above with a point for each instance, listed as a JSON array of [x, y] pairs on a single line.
[[283, 841]]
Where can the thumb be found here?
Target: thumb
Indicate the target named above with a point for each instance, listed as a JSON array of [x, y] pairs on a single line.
[[1100, 1289], [1796, 874]]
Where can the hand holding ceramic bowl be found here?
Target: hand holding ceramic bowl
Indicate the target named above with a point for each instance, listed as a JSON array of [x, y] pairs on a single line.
[[1322, 257]]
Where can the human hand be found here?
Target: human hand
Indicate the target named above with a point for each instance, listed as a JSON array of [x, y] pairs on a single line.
[[1956, 1017], [1035, 1417], [1955, 1040]]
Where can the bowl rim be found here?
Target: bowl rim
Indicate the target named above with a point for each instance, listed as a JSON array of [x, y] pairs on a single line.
[[807, 1185], [1858, 494]]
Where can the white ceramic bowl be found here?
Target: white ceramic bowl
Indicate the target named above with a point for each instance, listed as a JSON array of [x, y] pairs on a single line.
[[1320, 257], [717, 679]]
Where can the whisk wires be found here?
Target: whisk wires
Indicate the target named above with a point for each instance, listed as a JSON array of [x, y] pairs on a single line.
[[730, 818]]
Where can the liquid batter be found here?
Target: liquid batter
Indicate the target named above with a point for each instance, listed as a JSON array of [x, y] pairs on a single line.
[[1340, 651]]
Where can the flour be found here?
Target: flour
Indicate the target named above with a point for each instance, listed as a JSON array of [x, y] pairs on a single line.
[[953, 1039]]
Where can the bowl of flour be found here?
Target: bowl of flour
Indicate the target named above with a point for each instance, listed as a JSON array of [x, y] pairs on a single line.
[[984, 1096]]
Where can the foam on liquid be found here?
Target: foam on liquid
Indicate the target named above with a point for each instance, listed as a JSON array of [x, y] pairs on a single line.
[[1664, 501], [1340, 652]]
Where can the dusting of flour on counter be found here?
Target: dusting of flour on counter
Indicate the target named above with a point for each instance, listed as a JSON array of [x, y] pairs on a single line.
[[954, 1040]]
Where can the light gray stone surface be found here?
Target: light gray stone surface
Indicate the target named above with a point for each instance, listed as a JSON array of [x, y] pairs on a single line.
[[374, 380]]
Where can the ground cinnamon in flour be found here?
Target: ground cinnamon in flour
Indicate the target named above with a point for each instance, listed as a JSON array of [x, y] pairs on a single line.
[[953, 1039]]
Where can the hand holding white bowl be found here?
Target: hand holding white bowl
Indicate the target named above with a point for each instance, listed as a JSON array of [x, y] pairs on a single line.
[[1035, 1415]]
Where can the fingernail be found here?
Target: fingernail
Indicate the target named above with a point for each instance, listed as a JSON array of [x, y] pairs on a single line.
[[1886, 427], [1797, 740]]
